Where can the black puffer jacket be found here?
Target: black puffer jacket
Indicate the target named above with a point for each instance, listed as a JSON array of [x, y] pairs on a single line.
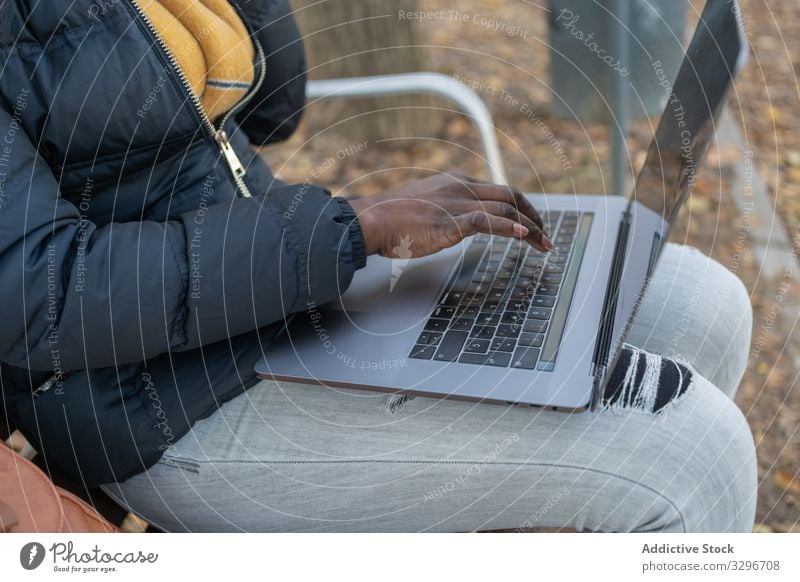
[[128, 255]]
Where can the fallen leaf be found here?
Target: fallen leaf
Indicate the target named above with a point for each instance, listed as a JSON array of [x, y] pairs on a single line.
[[774, 114], [698, 204], [459, 127], [794, 174], [786, 481], [792, 157]]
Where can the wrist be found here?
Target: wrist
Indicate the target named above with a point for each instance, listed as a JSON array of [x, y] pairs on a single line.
[[349, 217], [366, 216]]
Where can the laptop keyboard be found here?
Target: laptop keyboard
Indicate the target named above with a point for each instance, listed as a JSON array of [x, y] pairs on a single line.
[[507, 305]]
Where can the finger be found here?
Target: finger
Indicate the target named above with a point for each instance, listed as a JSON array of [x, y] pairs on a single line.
[[527, 208], [536, 236], [508, 195], [482, 222]]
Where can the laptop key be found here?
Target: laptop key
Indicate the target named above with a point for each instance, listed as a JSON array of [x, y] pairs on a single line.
[[436, 324], [547, 290], [429, 338], [453, 298], [543, 301], [491, 359], [498, 242], [491, 305], [525, 358], [534, 261], [503, 344], [508, 330], [422, 352], [477, 346], [540, 313], [501, 284], [468, 311], [497, 295], [444, 311], [523, 282], [521, 294], [532, 272], [474, 299], [477, 288], [450, 346], [462, 323], [555, 267], [534, 326], [518, 307], [552, 278], [514, 317], [482, 331], [531, 339], [485, 318]]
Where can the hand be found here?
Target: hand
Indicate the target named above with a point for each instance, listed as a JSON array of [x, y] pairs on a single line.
[[423, 217]]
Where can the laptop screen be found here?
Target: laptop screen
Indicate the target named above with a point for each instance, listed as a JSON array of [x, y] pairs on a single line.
[[716, 53]]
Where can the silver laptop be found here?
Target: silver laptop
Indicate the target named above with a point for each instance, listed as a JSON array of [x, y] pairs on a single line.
[[492, 319]]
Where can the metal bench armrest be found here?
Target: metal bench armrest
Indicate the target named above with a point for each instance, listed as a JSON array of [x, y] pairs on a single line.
[[465, 99]]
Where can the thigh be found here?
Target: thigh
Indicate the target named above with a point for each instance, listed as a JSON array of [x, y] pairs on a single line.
[[696, 311], [289, 457]]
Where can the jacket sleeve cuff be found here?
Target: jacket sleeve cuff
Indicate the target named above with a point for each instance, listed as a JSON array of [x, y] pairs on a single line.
[[348, 217]]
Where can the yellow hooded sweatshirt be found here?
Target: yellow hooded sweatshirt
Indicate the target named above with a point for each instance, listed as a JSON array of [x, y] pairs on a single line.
[[211, 45]]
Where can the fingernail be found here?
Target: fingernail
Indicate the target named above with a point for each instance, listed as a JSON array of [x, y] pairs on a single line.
[[546, 242], [520, 230]]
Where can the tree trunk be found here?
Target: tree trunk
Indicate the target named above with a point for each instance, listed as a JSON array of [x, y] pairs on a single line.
[[347, 39]]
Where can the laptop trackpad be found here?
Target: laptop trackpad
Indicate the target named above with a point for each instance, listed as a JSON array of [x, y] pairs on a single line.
[[406, 287]]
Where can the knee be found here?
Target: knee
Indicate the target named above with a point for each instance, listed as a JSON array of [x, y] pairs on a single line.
[[719, 317], [709, 284], [711, 464]]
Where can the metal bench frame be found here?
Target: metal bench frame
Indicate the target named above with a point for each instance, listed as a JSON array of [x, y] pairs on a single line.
[[465, 99]]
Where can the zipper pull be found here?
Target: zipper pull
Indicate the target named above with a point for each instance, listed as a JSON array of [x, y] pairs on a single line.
[[230, 156]]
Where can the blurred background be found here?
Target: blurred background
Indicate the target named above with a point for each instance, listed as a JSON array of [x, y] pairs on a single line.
[[555, 132]]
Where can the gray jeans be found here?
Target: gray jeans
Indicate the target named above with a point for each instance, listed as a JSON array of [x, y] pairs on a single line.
[[290, 457]]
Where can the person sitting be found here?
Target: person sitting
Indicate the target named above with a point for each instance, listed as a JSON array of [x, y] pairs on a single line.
[[148, 255]]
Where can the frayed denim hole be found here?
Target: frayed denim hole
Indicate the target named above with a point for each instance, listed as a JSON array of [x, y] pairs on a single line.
[[675, 379], [645, 382]]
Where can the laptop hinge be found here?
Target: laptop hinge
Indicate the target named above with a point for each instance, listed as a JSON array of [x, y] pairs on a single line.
[[605, 329]]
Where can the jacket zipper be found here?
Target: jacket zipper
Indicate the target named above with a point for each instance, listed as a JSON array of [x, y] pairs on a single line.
[[217, 132]]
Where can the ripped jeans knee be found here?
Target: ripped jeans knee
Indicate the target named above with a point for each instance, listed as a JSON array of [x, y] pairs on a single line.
[[645, 382]]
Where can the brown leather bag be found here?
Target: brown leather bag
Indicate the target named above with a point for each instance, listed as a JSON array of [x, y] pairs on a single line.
[[30, 502]]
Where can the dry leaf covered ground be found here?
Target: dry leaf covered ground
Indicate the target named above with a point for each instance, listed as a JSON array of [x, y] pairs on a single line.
[[508, 67]]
